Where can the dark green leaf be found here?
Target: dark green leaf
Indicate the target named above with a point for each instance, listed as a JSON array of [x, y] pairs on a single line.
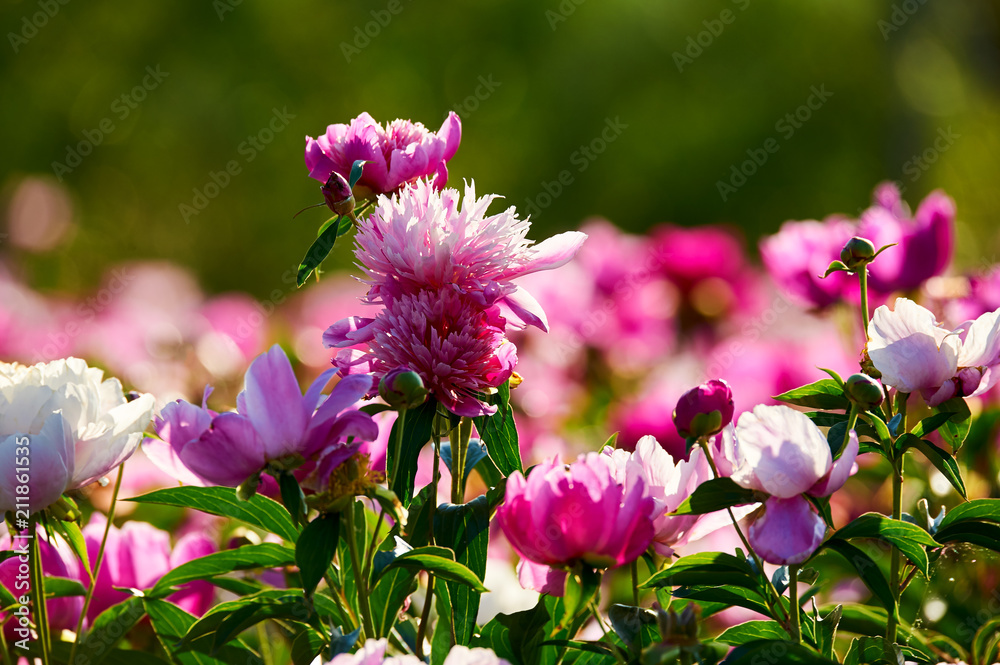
[[306, 646], [627, 622], [706, 568], [713, 495], [867, 570], [465, 529], [984, 534], [388, 596], [108, 630], [61, 587], [826, 419], [499, 434], [320, 249], [835, 437], [775, 651], [416, 433], [874, 650], [753, 630], [526, 632], [71, 533], [977, 509], [265, 555], [941, 459], [315, 549], [865, 620], [984, 643], [60, 653], [580, 591], [724, 597], [930, 424], [957, 426], [881, 429], [826, 631], [357, 169], [259, 511], [170, 623], [292, 496], [909, 538], [474, 454], [439, 561], [823, 394], [375, 409]]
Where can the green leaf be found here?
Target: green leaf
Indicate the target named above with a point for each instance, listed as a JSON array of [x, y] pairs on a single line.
[[315, 549], [170, 623], [825, 418], [826, 631], [977, 509], [416, 433], [867, 570], [265, 555], [984, 643], [465, 529], [724, 597], [526, 632], [61, 587], [357, 169], [930, 424], [627, 622], [580, 590], [775, 651], [823, 394], [388, 596], [7, 599], [306, 646], [941, 459], [909, 538], [833, 375], [881, 429], [441, 562], [375, 409], [983, 534], [71, 533], [320, 249], [753, 630], [875, 650], [836, 266], [259, 511], [865, 620], [475, 453], [496, 637], [499, 433], [705, 569], [108, 630], [60, 653], [958, 425], [292, 496], [713, 495]]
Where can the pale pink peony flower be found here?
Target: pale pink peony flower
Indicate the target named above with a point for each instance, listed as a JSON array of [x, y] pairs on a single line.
[[397, 154], [566, 513], [456, 346], [420, 238], [915, 354], [780, 452]]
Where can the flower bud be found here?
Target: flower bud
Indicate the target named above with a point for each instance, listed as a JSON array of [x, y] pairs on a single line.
[[857, 253], [402, 388], [864, 391], [704, 410], [338, 195]]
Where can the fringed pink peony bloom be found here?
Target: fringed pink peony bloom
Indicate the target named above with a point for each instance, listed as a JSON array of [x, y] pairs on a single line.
[[580, 512], [456, 346], [397, 154], [915, 354], [274, 422], [420, 238], [779, 451]]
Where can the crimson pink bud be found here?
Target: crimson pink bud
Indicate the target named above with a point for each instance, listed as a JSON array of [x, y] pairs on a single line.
[[704, 410], [338, 195]]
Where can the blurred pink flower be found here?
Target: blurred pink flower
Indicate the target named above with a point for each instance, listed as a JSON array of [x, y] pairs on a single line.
[[924, 242], [421, 238], [456, 345], [396, 154], [58, 560], [915, 354], [565, 513], [274, 422], [136, 556], [798, 255], [780, 452]]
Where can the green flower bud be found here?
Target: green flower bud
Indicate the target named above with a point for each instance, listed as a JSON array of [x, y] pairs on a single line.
[[857, 253], [864, 391]]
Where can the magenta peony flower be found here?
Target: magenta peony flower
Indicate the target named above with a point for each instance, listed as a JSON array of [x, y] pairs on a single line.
[[780, 452], [136, 556], [456, 346], [58, 560], [924, 242], [704, 410], [915, 354], [563, 514], [420, 238], [397, 154], [274, 422], [798, 255]]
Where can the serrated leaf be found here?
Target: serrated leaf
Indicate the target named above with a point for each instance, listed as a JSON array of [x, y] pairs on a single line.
[[822, 394], [315, 549], [713, 495], [264, 555], [259, 511], [909, 538]]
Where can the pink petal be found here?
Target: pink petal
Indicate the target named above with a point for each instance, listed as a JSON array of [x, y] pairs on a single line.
[[526, 309], [348, 332], [788, 532], [841, 470], [228, 453], [550, 253], [451, 134], [274, 403], [539, 577]]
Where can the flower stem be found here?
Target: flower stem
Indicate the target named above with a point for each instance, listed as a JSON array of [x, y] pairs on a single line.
[[370, 553], [863, 281], [459, 450], [793, 597], [38, 589], [635, 582], [359, 577], [852, 420], [897, 513], [97, 564], [398, 448], [425, 616]]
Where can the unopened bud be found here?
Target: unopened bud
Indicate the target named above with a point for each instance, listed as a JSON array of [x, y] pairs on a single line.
[[857, 253], [704, 410], [338, 195], [402, 388], [864, 391]]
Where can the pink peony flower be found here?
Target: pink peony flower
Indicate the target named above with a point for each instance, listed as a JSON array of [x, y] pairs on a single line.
[[274, 422], [580, 512], [798, 255], [924, 242], [397, 154], [456, 346], [420, 239], [704, 410], [58, 560], [780, 452], [136, 556], [915, 354]]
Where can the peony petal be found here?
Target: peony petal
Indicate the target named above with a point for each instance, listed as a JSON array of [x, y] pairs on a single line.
[[451, 134], [841, 470], [541, 578], [911, 351], [548, 254], [47, 460], [788, 532], [783, 453], [274, 403], [228, 453], [527, 310]]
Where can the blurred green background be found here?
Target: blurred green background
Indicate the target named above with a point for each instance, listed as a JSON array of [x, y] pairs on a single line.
[[692, 85]]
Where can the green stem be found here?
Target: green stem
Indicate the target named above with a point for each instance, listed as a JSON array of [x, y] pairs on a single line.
[[897, 513], [359, 577], [635, 582], [852, 420], [370, 552], [425, 616], [793, 597], [337, 593], [863, 280], [460, 437], [97, 564], [746, 543], [38, 590], [398, 448]]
